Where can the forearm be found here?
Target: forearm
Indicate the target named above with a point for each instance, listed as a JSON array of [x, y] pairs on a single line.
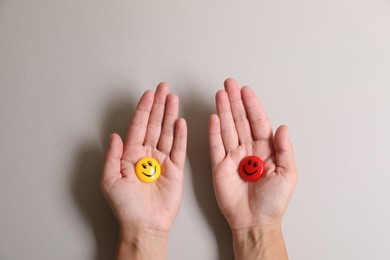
[[142, 245], [264, 243]]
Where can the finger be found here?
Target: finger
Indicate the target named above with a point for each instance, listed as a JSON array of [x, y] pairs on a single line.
[[137, 129], [228, 129], [283, 150], [112, 165], [259, 122], [170, 116], [217, 150], [178, 153], [238, 110], [156, 115]]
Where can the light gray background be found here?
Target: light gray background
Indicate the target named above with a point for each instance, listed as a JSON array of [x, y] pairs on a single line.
[[71, 73]]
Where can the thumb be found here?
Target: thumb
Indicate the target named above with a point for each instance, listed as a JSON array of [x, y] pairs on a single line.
[[112, 164], [283, 150]]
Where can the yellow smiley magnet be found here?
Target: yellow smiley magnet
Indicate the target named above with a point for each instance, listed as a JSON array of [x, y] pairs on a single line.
[[147, 169]]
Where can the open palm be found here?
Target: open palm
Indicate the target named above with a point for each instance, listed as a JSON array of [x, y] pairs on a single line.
[[155, 131], [240, 129]]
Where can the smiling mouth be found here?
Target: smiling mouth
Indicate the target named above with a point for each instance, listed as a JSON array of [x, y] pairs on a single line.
[[150, 175], [248, 173]]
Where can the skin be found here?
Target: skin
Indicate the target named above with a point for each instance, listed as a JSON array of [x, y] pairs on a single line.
[[254, 210], [146, 211]]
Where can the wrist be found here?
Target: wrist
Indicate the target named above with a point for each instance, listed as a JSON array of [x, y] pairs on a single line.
[[259, 242], [142, 244], [130, 233], [256, 235]]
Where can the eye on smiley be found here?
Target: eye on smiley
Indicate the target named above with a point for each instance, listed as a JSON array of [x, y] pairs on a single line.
[[251, 168], [147, 169]]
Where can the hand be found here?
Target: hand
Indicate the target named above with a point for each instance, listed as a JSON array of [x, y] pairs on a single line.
[[155, 131], [241, 128]]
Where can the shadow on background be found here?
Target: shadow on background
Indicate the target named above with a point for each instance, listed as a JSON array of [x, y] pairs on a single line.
[[85, 182], [197, 113]]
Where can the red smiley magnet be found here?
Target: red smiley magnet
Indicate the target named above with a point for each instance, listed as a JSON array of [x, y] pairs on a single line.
[[251, 168]]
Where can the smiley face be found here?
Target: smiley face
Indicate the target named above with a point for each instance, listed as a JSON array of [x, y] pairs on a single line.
[[251, 168], [147, 169]]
